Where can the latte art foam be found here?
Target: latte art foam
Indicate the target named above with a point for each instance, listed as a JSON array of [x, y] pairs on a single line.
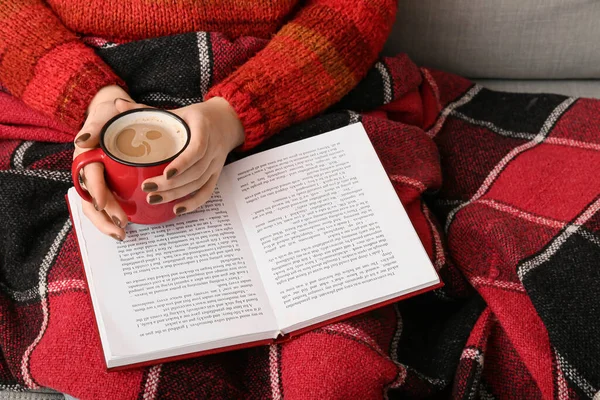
[[145, 143]]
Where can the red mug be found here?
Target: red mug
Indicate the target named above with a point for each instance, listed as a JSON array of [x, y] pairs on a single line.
[[124, 178]]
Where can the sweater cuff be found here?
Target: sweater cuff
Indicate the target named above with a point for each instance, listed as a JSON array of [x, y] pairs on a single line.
[[253, 120], [65, 80]]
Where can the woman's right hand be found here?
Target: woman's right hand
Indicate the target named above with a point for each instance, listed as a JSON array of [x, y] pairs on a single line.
[[105, 212]]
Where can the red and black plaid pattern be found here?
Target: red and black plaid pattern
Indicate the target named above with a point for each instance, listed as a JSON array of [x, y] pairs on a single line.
[[501, 188], [519, 205]]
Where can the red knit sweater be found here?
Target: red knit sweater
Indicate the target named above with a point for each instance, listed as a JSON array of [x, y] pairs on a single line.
[[318, 51]]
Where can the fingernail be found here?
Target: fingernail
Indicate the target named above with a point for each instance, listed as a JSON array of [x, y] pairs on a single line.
[[171, 173], [116, 221], [120, 98], [95, 204], [83, 137], [116, 237], [155, 198], [180, 210], [150, 187]]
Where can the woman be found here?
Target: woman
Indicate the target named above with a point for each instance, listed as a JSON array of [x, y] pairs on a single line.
[[318, 51]]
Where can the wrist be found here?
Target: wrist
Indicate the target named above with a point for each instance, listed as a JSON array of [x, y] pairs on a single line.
[[108, 93], [232, 125]]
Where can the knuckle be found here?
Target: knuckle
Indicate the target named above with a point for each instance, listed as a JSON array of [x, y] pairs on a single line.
[[203, 195], [200, 119], [106, 106], [203, 136], [198, 146], [199, 184], [91, 126]]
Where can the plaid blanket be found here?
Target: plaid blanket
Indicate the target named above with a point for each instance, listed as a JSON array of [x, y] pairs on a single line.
[[502, 188]]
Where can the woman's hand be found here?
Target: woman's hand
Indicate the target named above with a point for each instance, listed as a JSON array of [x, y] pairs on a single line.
[[216, 131], [105, 213]]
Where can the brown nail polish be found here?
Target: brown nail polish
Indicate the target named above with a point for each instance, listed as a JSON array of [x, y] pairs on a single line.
[[116, 221], [120, 98], [180, 210], [116, 237], [83, 137], [150, 187], [171, 173], [95, 204], [155, 198]]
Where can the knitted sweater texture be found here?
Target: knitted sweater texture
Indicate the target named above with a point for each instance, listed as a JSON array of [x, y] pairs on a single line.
[[318, 50]]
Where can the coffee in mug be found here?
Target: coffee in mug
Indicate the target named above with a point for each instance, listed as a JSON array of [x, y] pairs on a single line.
[[134, 146], [145, 143]]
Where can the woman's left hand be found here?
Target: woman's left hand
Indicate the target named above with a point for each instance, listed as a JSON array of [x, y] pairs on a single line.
[[215, 132]]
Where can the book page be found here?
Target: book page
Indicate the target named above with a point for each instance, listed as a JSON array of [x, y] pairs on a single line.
[[326, 227], [190, 280]]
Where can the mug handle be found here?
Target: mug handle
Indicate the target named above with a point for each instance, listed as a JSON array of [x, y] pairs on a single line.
[[92, 156]]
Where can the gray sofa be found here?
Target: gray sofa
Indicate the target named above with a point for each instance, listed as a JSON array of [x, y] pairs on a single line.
[[509, 45]]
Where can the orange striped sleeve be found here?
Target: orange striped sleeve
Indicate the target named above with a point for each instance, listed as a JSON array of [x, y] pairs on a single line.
[[310, 64], [45, 65]]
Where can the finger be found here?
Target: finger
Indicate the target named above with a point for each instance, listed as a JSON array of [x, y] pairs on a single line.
[[199, 198], [114, 211], [102, 197], [82, 181], [195, 150], [96, 185], [89, 135], [101, 221], [161, 183], [179, 192], [122, 105]]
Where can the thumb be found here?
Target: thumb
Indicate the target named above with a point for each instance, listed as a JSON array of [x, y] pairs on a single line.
[[123, 105]]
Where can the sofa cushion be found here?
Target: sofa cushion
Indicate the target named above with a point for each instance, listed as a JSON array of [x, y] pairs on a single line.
[[517, 39]]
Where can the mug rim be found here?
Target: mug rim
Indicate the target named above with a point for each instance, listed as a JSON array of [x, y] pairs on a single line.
[[142, 165]]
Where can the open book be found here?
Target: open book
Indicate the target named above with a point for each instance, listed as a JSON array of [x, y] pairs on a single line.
[[293, 237]]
